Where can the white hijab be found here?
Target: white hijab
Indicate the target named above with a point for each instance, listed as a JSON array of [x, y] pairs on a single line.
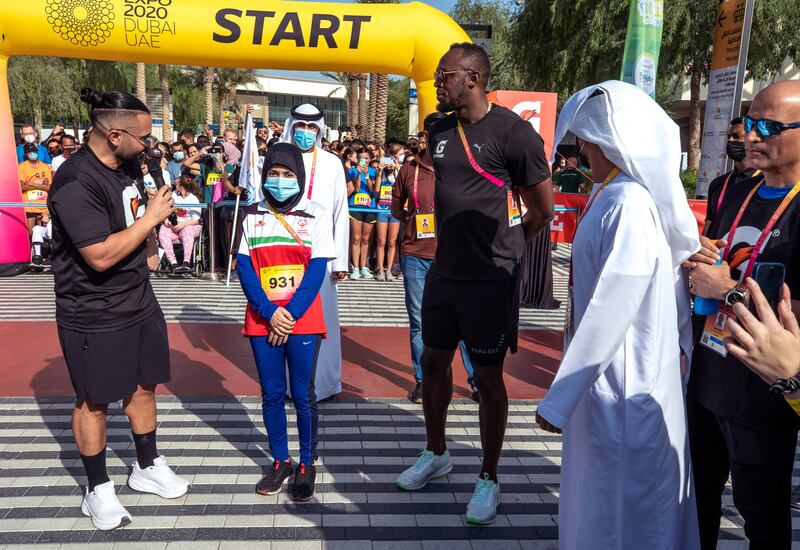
[[308, 114], [638, 137]]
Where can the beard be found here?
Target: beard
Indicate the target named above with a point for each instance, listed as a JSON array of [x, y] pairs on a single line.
[[446, 107]]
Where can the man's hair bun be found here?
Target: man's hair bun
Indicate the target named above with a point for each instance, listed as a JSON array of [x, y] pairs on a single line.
[[92, 97]]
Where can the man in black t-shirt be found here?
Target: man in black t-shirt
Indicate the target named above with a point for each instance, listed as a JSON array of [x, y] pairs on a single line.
[[110, 326], [719, 187], [485, 158], [737, 426]]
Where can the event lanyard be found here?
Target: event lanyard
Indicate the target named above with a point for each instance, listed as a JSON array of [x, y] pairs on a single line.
[[288, 227], [787, 200], [497, 181], [313, 169], [416, 198], [611, 175], [725, 187]]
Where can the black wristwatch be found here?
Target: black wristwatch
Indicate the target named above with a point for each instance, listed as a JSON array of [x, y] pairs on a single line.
[[734, 296], [783, 386]]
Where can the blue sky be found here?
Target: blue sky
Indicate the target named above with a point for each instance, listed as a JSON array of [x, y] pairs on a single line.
[[443, 5]]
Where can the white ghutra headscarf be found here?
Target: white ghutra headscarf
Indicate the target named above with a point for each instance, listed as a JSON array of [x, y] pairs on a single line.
[[638, 137], [308, 114]]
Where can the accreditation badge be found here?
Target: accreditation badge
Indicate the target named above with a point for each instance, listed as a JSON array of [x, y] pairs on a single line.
[[514, 215], [426, 226], [716, 331], [281, 281]]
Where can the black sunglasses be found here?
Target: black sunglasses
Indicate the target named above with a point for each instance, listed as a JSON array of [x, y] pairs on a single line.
[[766, 127]]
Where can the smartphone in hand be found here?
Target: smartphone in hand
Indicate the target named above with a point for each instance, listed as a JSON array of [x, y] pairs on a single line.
[[770, 277]]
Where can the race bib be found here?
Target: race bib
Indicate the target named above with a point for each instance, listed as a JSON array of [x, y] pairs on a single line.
[[361, 199], [36, 195], [281, 281], [386, 193], [426, 226], [514, 215], [213, 178], [715, 331]]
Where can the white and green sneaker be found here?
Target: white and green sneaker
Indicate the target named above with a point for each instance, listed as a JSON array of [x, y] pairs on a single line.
[[482, 508], [427, 467]]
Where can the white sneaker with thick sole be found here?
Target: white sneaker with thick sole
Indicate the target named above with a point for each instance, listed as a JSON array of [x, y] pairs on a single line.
[[158, 479], [482, 508], [104, 508], [427, 467]]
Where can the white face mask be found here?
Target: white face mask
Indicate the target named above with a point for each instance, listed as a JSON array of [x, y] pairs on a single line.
[[400, 158], [29, 138]]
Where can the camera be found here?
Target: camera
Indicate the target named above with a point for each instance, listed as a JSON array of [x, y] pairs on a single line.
[[215, 150]]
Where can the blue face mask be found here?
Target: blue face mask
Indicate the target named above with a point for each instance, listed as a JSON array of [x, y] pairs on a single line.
[[178, 155], [282, 188], [33, 157], [305, 139]]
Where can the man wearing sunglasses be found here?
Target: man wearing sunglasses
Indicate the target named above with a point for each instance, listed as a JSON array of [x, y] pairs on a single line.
[[486, 158], [110, 326], [737, 426]]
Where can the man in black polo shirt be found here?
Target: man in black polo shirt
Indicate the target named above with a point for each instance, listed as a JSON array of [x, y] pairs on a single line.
[[110, 326], [737, 426], [486, 158], [719, 187]]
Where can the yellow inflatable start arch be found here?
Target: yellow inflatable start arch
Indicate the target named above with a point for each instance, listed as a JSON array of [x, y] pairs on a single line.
[[405, 39]]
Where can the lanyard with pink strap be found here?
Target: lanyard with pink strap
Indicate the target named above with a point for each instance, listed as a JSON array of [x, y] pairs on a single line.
[[514, 216]]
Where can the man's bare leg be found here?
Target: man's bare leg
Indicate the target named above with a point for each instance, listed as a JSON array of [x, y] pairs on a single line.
[[437, 392]]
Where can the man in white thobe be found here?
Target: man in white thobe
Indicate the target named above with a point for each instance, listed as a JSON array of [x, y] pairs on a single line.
[[626, 478], [327, 186]]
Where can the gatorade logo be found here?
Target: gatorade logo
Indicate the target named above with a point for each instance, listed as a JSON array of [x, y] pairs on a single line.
[[439, 151], [81, 22]]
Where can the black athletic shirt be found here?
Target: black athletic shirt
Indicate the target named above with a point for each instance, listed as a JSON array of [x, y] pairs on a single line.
[[724, 385], [475, 240], [89, 201], [716, 185]]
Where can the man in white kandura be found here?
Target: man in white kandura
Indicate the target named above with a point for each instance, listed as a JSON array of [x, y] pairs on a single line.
[[626, 476], [326, 185]]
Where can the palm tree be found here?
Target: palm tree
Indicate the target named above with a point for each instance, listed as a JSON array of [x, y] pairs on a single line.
[[166, 112], [373, 92], [362, 105], [141, 82], [352, 102], [227, 82], [381, 101], [208, 86]]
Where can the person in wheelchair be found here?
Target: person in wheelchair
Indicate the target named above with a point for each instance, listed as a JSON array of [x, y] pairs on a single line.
[[41, 236], [187, 229]]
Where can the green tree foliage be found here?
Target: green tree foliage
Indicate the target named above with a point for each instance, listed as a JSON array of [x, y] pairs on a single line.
[[188, 102], [397, 109], [42, 89]]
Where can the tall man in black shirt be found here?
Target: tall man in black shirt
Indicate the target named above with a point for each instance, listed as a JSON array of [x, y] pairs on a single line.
[[110, 326], [486, 158], [737, 425]]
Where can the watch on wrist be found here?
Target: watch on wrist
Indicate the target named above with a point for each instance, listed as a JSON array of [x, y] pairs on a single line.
[[734, 296], [784, 386]]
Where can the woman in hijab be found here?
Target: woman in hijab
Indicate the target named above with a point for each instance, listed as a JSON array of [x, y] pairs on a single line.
[[286, 243]]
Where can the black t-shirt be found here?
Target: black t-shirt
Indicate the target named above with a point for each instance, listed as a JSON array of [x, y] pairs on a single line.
[[723, 384], [88, 202], [475, 240], [716, 185]]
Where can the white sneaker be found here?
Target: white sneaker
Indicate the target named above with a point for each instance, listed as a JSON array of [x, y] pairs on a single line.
[[365, 274], [482, 508], [356, 274], [158, 479], [105, 509], [427, 467]]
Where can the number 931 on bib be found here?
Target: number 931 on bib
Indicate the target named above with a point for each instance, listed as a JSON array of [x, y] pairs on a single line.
[[281, 281]]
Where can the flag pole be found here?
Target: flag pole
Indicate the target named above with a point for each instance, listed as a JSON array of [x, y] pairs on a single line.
[[233, 235]]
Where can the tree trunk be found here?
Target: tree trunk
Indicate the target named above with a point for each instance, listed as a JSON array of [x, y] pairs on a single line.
[[166, 111], [76, 127], [362, 104], [373, 93], [37, 119], [352, 100], [381, 100], [221, 100], [141, 82], [208, 86], [695, 112]]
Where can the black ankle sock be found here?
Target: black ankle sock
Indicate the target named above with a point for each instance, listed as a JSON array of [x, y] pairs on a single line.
[[146, 451], [95, 467]]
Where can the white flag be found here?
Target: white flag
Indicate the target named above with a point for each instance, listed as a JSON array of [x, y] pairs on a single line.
[[249, 173]]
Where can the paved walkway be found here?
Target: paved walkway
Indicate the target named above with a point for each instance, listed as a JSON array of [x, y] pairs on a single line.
[[220, 445]]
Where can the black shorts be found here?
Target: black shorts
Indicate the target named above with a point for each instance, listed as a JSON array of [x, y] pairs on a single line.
[[366, 217], [107, 366], [485, 314]]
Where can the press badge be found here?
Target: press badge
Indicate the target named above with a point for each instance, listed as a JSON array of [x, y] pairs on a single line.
[[716, 331], [426, 226], [281, 281], [514, 215]]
